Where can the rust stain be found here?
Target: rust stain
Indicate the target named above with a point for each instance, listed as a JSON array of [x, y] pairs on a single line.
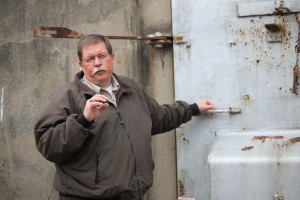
[[294, 140], [178, 39], [242, 32], [62, 32], [246, 98], [56, 32], [181, 189], [272, 27], [263, 138], [232, 44], [186, 140], [291, 142], [247, 148]]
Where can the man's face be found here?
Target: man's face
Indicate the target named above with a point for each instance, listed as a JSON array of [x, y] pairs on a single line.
[[97, 64]]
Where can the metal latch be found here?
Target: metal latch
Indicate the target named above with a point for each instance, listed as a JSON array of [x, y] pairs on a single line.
[[230, 110], [157, 40]]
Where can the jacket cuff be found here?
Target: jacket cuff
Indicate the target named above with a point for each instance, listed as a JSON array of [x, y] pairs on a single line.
[[83, 121], [195, 109]]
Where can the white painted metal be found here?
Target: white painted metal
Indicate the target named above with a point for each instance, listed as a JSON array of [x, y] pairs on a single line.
[[232, 61], [262, 165]]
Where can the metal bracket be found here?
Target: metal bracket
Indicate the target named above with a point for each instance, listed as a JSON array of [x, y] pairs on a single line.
[[274, 32], [158, 39]]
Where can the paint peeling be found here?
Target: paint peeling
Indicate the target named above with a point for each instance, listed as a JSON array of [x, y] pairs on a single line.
[[291, 142], [263, 138], [247, 148], [181, 188]]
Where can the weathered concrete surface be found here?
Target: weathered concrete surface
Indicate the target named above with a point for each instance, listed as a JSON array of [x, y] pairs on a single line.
[[32, 69], [158, 79]]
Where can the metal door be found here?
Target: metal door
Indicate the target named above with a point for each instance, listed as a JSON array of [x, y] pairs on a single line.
[[238, 53]]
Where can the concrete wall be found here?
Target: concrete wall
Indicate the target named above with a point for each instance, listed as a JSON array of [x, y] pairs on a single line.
[[31, 69], [158, 79]]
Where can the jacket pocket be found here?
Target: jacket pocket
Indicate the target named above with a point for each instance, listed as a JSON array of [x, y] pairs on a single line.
[[98, 175]]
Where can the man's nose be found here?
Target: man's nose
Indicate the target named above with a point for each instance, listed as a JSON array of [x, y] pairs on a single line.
[[97, 61]]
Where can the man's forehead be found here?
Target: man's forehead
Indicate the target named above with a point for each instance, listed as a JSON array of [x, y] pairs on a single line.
[[100, 46], [94, 44]]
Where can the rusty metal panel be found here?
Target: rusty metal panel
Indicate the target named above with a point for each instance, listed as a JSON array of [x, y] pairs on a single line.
[[243, 62], [255, 165]]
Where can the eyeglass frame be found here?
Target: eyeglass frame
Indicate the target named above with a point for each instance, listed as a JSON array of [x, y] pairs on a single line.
[[92, 59]]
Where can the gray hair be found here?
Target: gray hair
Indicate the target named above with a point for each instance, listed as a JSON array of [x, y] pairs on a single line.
[[92, 39]]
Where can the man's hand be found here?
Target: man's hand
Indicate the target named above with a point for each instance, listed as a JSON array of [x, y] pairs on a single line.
[[94, 106], [205, 105]]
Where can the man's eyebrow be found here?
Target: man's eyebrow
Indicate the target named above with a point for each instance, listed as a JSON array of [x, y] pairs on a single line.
[[103, 53]]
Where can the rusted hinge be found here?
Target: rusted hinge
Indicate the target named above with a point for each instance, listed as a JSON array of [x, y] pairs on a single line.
[[157, 39]]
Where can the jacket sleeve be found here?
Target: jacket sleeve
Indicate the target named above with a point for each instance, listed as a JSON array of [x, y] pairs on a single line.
[[168, 116], [58, 135]]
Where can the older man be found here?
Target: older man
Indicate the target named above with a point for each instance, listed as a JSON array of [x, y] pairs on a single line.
[[97, 129]]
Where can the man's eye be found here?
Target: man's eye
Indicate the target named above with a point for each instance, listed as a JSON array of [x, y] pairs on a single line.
[[90, 60], [101, 57]]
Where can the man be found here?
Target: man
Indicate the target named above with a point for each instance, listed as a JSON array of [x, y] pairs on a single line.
[[97, 129]]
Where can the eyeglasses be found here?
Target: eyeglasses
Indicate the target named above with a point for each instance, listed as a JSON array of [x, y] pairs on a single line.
[[92, 59]]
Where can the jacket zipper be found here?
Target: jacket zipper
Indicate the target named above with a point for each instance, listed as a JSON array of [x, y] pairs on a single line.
[[135, 167], [121, 121]]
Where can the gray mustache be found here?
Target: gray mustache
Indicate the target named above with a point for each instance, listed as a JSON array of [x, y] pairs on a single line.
[[98, 69]]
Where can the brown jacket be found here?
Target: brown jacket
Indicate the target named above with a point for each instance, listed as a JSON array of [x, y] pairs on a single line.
[[112, 155]]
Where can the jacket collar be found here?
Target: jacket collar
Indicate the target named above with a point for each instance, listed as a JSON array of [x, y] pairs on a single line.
[[125, 86]]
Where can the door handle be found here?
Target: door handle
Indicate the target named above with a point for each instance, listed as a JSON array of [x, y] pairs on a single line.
[[230, 110]]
